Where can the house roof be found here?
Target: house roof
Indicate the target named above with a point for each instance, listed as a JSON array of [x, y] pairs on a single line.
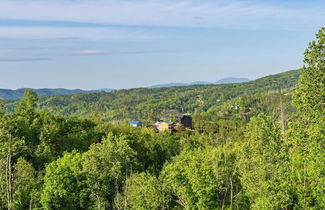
[[134, 122], [166, 122], [183, 116]]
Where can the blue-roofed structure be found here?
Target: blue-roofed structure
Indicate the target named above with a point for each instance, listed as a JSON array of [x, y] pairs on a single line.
[[135, 124]]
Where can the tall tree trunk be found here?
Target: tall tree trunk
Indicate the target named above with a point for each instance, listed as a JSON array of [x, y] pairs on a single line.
[[231, 194], [304, 193], [31, 201], [282, 114], [9, 179], [125, 197]]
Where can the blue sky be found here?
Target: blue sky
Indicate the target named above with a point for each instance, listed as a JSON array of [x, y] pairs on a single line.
[[92, 44]]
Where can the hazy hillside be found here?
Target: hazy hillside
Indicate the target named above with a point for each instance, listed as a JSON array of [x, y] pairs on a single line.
[[221, 81], [15, 94], [18, 93], [178, 84], [145, 104], [232, 80]]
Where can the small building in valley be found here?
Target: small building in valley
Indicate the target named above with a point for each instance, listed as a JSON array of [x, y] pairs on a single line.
[[182, 122], [135, 124], [165, 126], [185, 121]]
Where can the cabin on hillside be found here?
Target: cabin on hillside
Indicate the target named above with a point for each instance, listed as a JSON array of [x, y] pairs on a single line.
[[165, 126], [135, 124], [185, 121]]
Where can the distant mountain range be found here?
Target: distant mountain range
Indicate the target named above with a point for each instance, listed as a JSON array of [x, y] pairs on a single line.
[[221, 81], [15, 94], [179, 84], [18, 93], [232, 80]]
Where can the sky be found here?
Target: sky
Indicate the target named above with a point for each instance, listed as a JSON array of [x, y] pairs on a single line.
[[92, 44]]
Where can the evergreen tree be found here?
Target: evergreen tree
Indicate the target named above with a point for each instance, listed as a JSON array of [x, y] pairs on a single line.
[[27, 105], [24, 185], [26, 119]]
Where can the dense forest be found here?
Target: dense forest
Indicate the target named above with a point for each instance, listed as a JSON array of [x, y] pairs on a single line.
[[255, 145]]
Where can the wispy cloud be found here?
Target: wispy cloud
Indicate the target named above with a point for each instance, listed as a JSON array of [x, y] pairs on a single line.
[[87, 52], [103, 52], [38, 53], [69, 33], [23, 51], [22, 59], [64, 38]]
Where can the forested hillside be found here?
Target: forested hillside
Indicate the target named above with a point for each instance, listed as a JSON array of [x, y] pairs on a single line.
[[15, 94], [251, 148], [149, 104]]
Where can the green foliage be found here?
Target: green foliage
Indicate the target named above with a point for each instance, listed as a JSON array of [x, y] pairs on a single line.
[[263, 165], [306, 135], [3, 184], [19, 93], [10, 149], [202, 178], [1, 108], [244, 107], [309, 96], [144, 191], [28, 104], [152, 149], [25, 184], [58, 135], [65, 185], [107, 165]]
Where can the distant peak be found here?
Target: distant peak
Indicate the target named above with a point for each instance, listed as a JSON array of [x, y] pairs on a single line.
[[232, 80]]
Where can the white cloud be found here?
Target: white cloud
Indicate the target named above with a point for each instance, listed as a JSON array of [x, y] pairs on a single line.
[[89, 52], [104, 52], [23, 59], [64, 38], [27, 54], [72, 33]]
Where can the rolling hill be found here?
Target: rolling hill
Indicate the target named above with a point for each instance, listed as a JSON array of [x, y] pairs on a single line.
[[152, 103], [231, 80], [221, 81], [9, 94], [16, 94]]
